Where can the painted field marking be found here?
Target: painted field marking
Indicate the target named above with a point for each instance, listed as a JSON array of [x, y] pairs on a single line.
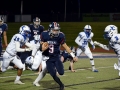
[[47, 74]]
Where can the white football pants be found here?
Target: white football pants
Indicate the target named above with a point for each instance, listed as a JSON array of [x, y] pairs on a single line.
[[87, 52], [7, 58], [42, 73], [37, 60]]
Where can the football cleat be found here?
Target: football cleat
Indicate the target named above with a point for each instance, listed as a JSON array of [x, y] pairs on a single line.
[[36, 84], [62, 87], [69, 68], [18, 82], [115, 66], [95, 70]]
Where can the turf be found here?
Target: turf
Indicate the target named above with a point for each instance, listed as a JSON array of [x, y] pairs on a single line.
[[82, 79]]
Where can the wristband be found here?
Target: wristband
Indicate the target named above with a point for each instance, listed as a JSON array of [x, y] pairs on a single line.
[[72, 54]]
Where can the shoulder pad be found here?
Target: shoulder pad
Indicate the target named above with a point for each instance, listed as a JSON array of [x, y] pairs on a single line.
[[92, 34], [82, 34], [62, 33]]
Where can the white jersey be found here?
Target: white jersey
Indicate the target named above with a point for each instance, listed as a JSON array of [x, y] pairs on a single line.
[[83, 39], [11, 48], [35, 43], [114, 42]]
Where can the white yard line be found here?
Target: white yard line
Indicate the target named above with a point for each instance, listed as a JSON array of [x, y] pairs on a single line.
[[32, 74]]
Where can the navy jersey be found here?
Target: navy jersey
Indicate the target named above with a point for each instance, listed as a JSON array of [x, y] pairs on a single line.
[[66, 55], [54, 43], [35, 30], [3, 27]]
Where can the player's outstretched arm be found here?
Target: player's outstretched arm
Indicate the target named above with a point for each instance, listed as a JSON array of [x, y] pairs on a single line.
[[18, 49], [69, 51], [102, 45]]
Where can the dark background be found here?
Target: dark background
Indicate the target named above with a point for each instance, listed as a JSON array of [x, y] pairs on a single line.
[[46, 9]]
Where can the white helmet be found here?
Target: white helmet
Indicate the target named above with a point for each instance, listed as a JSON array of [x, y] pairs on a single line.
[[25, 30], [109, 31], [87, 29], [29, 60]]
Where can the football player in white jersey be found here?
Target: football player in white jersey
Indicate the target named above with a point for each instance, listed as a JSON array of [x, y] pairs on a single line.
[[82, 41], [36, 61], [111, 34], [10, 54]]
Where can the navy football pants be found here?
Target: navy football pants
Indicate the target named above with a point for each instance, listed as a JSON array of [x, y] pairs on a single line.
[[53, 65]]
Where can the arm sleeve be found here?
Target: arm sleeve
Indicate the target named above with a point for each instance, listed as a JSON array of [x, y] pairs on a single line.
[[6, 27], [91, 42], [35, 49], [106, 47], [77, 40], [17, 46], [29, 45]]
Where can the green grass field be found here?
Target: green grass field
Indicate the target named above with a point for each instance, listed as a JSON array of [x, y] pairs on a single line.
[[71, 30], [82, 79]]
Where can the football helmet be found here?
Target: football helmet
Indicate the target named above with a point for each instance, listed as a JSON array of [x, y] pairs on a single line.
[[87, 29], [25, 31], [29, 60], [36, 21], [54, 28], [109, 31], [1, 19], [49, 26]]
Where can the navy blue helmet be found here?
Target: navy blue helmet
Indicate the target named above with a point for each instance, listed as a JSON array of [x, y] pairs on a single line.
[[36, 21], [1, 19], [54, 29]]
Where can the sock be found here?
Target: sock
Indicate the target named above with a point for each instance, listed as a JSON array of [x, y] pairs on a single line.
[[40, 76], [57, 80], [119, 64], [92, 63], [17, 78]]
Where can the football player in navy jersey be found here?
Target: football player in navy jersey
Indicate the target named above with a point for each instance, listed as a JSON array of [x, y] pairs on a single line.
[[55, 39], [65, 56], [36, 28], [3, 30]]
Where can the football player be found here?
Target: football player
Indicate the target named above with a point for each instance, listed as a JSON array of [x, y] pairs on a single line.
[[55, 39], [36, 29], [66, 56], [36, 57], [10, 54], [82, 41], [3, 33], [111, 34]]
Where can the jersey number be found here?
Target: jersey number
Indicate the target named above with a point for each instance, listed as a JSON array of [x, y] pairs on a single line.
[[84, 43], [51, 48]]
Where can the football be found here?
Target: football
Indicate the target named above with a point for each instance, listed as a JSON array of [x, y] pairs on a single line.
[[45, 46]]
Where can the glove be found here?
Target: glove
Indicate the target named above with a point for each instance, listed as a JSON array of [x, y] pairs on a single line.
[[93, 46], [96, 43], [27, 49]]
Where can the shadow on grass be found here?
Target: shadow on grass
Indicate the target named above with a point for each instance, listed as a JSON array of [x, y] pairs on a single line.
[[78, 84]]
